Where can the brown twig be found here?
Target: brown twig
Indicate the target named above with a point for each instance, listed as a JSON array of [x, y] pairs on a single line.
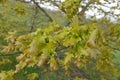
[[33, 19], [10, 54], [37, 4]]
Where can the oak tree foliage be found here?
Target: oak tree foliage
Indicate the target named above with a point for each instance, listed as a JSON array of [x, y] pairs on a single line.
[[80, 43]]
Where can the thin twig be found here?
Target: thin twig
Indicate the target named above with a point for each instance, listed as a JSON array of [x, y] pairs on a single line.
[[33, 19], [10, 54], [37, 4]]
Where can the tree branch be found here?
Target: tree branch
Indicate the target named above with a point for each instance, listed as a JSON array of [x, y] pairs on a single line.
[[33, 19], [114, 48], [37, 4], [11, 54], [24, 1], [55, 4], [84, 8], [81, 13]]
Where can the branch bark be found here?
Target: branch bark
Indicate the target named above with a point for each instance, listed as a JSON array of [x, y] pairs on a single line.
[[11, 54], [33, 19], [37, 4], [81, 13], [84, 8]]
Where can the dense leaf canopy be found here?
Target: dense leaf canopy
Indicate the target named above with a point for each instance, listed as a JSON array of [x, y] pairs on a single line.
[[81, 43]]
